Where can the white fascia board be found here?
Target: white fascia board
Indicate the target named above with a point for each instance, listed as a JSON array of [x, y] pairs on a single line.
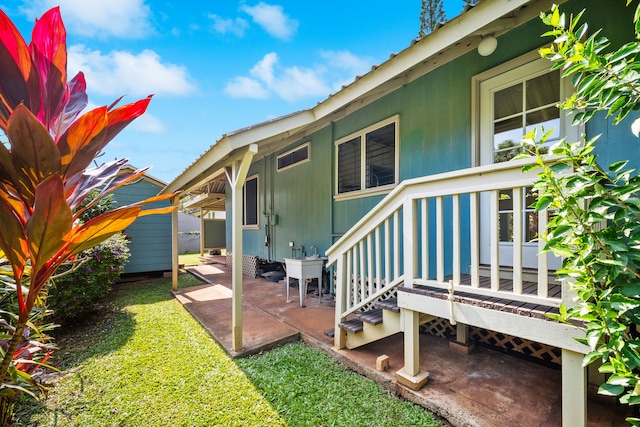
[[277, 128], [223, 150]]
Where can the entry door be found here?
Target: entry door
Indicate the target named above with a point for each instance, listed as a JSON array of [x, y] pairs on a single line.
[[512, 104]]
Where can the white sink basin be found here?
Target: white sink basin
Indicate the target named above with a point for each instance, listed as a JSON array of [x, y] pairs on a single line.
[[303, 269]]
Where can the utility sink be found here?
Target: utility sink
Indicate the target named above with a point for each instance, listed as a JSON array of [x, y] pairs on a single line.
[[304, 269]]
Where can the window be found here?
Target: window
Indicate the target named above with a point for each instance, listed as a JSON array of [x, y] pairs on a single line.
[[367, 160], [250, 207], [522, 107], [513, 99], [516, 98], [293, 157]]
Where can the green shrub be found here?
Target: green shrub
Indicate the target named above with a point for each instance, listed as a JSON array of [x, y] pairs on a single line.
[[72, 294]]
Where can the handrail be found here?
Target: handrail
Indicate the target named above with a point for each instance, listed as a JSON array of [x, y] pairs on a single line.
[[391, 244], [434, 185]]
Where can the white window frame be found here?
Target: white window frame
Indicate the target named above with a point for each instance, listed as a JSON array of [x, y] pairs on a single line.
[[365, 192], [522, 68], [484, 85], [255, 226], [299, 147]]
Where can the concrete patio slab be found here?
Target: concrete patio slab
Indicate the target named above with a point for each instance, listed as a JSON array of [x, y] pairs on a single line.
[[485, 388]]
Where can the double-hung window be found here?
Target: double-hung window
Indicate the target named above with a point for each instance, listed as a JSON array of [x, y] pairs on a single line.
[[367, 160], [250, 206]]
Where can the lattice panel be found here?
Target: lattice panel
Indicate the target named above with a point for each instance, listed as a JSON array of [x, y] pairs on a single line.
[[249, 264], [520, 345], [439, 327]]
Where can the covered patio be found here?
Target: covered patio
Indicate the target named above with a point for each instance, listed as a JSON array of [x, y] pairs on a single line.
[[483, 388]]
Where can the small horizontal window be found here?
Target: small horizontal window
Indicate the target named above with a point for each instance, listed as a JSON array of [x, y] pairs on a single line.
[[293, 157]]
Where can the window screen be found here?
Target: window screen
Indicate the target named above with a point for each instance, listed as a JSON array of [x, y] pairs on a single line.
[[381, 156], [349, 166], [297, 155], [367, 159], [250, 208]]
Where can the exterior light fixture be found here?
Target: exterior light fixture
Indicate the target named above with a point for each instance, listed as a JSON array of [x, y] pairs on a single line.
[[487, 46]]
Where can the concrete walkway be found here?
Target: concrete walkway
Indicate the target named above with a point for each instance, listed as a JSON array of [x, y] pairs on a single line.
[[483, 389]]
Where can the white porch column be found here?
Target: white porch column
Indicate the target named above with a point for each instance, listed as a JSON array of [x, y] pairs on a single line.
[[237, 174], [174, 245], [574, 390]]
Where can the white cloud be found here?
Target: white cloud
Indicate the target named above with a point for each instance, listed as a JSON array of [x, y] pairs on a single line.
[[148, 123], [121, 72], [345, 66], [119, 18], [223, 26], [273, 19], [346, 60], [289, 83], [264, 69], [245, 87]]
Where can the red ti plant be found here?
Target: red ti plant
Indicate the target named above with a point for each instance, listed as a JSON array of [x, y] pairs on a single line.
[[45, 172]]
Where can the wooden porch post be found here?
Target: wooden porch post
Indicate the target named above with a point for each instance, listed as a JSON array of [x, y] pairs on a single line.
[[574, 390], [174, 245], [202, 212], [410, 374], [237, 174]]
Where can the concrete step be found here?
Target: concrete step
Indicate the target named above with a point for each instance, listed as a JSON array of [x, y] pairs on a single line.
[[390, 304]]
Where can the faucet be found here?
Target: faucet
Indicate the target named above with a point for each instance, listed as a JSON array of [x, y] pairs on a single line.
[[315, 249]]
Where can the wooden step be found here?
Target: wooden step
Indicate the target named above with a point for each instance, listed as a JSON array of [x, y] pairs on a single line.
[[353, 325], [390, 304], [373, 317]]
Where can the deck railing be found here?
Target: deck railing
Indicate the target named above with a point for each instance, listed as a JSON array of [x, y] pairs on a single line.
[[426, 232]]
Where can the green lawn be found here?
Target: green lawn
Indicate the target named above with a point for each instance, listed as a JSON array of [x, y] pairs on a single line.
[[144, 361], [190, 259]]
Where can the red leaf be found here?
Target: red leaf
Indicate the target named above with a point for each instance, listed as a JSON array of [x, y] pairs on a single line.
[[90, 134], [100, 228], [51, 221], [17, 80], [121, 117], [49, 55], [76, 101], [82, 141], [13, 239], [34, 154]]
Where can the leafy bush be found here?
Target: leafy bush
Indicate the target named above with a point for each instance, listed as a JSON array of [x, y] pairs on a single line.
[[596, 222], [47, 174], [72, 294]]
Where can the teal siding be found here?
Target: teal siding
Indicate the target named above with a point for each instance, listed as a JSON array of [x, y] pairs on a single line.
[[435, 117], [150, 236], [300, 197]]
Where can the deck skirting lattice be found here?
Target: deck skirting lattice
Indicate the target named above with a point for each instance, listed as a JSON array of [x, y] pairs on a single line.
[[503, 342]]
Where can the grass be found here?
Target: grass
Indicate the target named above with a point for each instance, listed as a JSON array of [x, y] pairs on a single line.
[[142, 360], [190, 258]]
